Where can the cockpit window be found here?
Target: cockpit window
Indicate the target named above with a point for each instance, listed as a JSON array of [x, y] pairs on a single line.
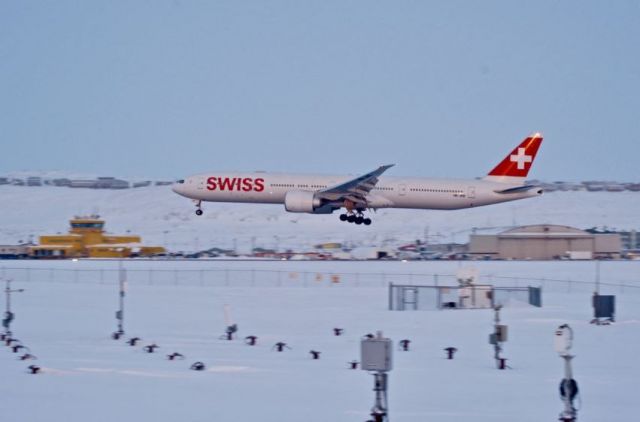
[[180, 181]]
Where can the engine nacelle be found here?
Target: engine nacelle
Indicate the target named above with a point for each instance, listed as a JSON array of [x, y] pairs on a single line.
[[303, 201]]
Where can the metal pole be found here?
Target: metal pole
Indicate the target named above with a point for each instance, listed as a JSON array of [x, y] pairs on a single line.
[[496, 347], [380, 410], [569, 414], [8, 315], [598, 277], [7, 292], [568, 386], [122, 280]]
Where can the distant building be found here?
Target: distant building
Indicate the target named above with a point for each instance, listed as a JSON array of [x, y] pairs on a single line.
[[83, 184], [371, 253], [100, 183], [87, 238], [61, 182], [543, 242], [630, 239], [14, 251], [111, 183], [34, 181]]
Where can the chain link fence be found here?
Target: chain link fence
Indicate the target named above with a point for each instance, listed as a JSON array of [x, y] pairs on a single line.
[[260, 277]]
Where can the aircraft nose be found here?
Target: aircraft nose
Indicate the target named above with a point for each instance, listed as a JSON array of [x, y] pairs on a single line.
[[178, 186]]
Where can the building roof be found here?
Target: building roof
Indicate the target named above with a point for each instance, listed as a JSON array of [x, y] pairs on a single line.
[[50, 247], [542, 231], [544, 228]]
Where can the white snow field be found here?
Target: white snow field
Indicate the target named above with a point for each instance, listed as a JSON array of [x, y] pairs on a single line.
[[162, 217], [66, 315]]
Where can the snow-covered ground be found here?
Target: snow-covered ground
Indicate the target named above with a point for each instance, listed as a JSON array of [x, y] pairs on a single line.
[[164, 218], [66, 314]]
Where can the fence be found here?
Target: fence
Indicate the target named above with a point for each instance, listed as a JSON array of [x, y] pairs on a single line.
[[252, 277], [411, 297]]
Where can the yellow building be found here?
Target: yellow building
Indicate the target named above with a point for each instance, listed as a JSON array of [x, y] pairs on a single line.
[[86, 238]]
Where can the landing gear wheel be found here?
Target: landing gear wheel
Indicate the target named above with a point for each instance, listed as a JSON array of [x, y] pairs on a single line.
[[359, 220], [367, 221], [343, 217], [198, 206], [351, 218]]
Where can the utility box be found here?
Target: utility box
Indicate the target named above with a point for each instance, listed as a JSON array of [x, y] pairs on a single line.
[[501, 332], [604, 306], [500, 336], [375, 354]]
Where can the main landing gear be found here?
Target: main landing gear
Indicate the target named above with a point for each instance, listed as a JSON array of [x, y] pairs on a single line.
[[355, 218], [198, 207]]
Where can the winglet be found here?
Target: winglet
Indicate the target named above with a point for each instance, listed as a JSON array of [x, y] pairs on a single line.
[[382, 169]]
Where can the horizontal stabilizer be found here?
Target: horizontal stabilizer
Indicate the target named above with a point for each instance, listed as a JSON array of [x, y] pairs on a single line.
[[517, 189]]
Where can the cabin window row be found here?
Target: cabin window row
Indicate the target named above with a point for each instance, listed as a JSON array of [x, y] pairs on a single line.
[[288, 185], [282, 185], [459, 192]]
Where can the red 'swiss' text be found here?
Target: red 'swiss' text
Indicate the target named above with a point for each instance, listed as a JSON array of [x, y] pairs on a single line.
[[246, 184]]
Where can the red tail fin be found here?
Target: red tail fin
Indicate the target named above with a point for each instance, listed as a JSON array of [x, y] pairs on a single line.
[[518, 163]]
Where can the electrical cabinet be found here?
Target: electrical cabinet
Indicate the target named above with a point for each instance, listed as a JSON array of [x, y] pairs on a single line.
[[376, 354], [501, 332]]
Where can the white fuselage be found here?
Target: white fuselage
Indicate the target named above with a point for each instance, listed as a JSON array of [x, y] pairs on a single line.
[[389, 192]]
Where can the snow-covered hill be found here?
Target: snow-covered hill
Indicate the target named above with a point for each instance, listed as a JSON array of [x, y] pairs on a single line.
[[162, 217]]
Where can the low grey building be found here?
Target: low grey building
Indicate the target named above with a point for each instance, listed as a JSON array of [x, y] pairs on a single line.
[[100, 183], [34, 181], [14, 251], [543, 242]]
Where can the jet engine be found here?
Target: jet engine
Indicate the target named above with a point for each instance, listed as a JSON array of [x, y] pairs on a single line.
[[305, 201]]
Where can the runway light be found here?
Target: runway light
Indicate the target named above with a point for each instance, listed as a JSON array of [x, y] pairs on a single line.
[[404, 260], [75, 260]]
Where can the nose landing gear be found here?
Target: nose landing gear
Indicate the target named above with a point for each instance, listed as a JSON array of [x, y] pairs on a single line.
[[198, 207]]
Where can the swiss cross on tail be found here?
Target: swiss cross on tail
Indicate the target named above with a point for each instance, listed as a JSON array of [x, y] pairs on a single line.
[[519, 161]]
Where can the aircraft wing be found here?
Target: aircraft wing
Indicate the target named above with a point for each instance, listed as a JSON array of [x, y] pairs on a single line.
[[356, 189]]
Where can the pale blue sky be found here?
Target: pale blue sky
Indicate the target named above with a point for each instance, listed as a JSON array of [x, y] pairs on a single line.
[[444, 89]]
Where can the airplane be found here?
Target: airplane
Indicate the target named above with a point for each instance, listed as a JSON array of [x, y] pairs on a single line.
[[324, 194]]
